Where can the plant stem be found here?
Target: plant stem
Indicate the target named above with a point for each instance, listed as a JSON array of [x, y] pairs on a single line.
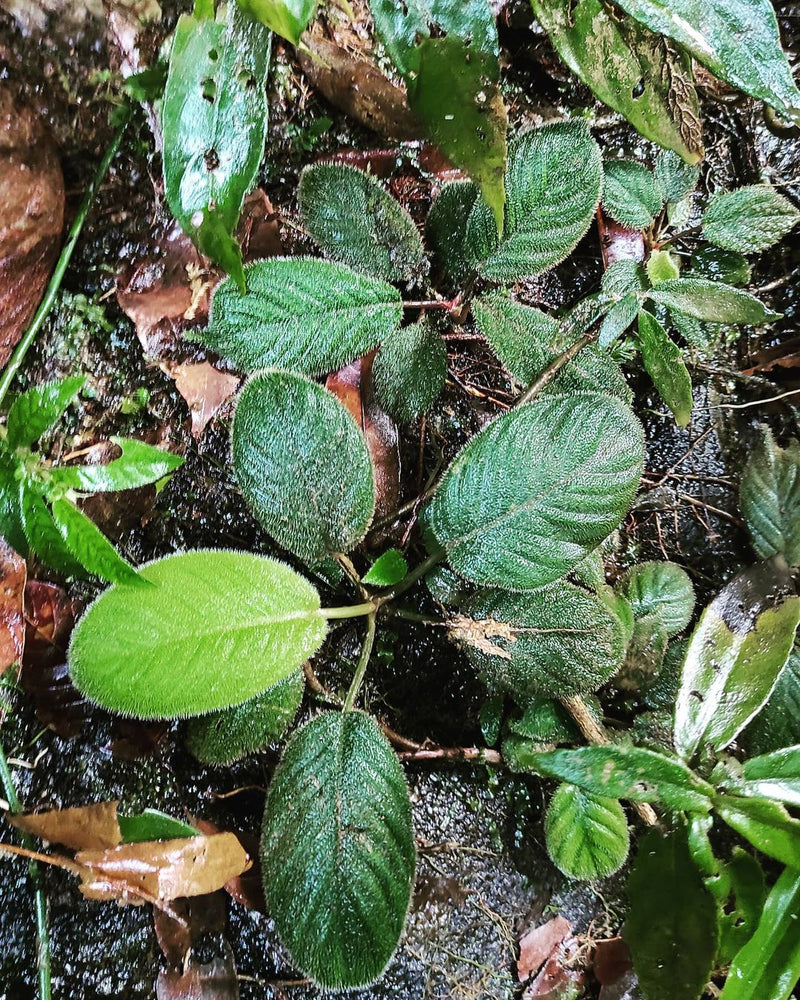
[[350, 611], [483, 755], [361, 669], [22, 348], [555, 366]]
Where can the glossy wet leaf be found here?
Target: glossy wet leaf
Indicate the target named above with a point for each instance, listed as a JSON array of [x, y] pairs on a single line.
[[557, 640], [721, 265], [770, 498], [748, 220], [738, 40], [35, 411], [460, 230], [529, 496], [671, 924], [42, 533], [663, 362], [765, 824], [778, 723], [226, 736], [676, 178], [626, 772], [139, 465], [662, 589], [11, 519], [712, 302], [768, 965], [387, 570], [214, 118], [89, 545], [774, 776], [337, 850], [303, 465], [631, 194], [740, 917], [287, 18], [299, 313], [152, 824], [355, 221], [214, 629], [735, 657], [410, 370], [630, 69], [586, 835]]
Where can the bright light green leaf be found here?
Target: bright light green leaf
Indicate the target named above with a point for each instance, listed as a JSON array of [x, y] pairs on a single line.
[[663, 362], [586, 835], [226, 736], [337, 851], [631, 194], [672, 923], [35, 411], [387, 570], [299, 313], [152, 824], [90, 546], [749, 220], [722, 266], [766, 825], [355, 221], [770, 498], [529, 496], [712, 302], [676, 178], [42, 534], [662, 266], [663, 589], [214, 629], [557, 640], [287, 18], [778, 723], [303, 465], [138, 465], [410, 370], [773, 776], [630, 69], [460, 230], [735, 656]]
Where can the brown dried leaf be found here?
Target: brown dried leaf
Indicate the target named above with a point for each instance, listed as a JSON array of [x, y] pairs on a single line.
[[92, 827], [13, 574], [538, 944], [248, 888], [31, 217], [612, 960], [558, 979], [205, 390]]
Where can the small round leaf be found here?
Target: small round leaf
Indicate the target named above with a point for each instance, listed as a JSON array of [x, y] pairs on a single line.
[[661, 588], [586, 835]]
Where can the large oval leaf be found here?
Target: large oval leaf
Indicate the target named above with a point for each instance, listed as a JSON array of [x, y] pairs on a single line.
[[303, 465], [337, 851], [538, 489], [214, 629], [586, 835], [302, 314]]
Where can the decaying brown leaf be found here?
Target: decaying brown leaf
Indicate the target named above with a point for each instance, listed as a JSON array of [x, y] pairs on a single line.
[[31, 217], [248, 888], [479, 632], [92, 827], [13, 574], [538, 944], [196, 917], [205, 390]]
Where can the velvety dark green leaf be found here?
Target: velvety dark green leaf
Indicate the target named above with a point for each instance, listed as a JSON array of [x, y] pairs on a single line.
[[287, 18], [35, 411], [302, 314], [302, 464], [721, 265], [778, 723], [770, 498], [631, 194], [557, 640], [737, 40], [766, 825], [675, 176], [410, 370], [735, 656], [749, 220], [768, 965], [214, 118], [153, 825], [357, 222], [90, 546], [624, 276], [663, 589], [626, 772], [138, 465], [663, 362], [738, 921], [337, 851], [546, 721], [460, 230], [671, 925], [226, 736], [712, 302], [630, 69], [586, 835], [774, 776], [214, 629], [553, 183], [618, 319], [11, 522], [387, 570], [42, 534]]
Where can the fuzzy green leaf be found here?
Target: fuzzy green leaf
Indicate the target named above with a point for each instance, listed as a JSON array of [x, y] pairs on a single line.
[[749, 220], [663, 361], [557, 640], [765, 824], [355, 221], [90, 546], [226, 736], [529, 496], [586, 835], [778, 723], [410, 370], [624, 65], [663, 589], [460, 230], [387, 570], [672, 922], [299, 313], [138, 465], [770, 498], [676, 178], [35, 411], [287, 18], [214, 629], [42, 534], [662, 266], [618, 319], [303, 465], [735, 657], [712, 302], [338, 851], [738, 40], [631, 194]]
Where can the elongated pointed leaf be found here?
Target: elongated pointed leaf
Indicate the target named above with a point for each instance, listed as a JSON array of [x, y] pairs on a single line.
[[138, 465], [287, 18], [303, 314], [43, 535], [337, 850], [712, 302], [765, 824], [770, 498], [663, 361], [89, 545], [538, 489], [11, 520], [735, 656], [749, 220], [586, 835], [774, 776], [35, 411], [303, 465]]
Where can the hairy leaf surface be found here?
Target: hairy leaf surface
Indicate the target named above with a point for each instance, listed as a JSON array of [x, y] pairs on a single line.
[[631, 194], [749, 220], [586, 835], [663, 589], [410, 371], [663, 362], [770, 498]]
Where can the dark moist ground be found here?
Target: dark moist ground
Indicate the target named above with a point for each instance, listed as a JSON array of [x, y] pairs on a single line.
[[483, 873]]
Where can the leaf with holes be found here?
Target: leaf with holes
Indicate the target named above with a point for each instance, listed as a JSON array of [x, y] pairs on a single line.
[[749, 220], [663, 362], [631, 194], [337, 850], [586, 835], [770, 498]]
